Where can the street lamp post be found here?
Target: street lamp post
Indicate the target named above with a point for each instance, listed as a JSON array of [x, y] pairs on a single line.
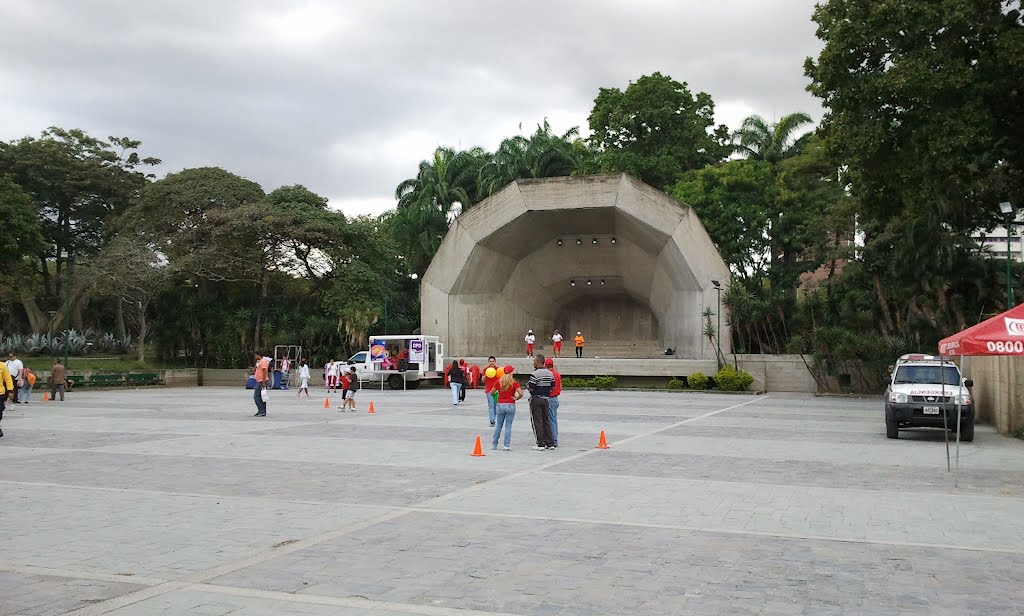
[[718, 336], [68, 303], [1008, 211]]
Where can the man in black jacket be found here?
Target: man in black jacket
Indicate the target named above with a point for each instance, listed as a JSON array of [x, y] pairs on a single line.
[[540, 384]]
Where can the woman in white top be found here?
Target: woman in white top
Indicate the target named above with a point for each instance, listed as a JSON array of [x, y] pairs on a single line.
[[556, 344], [303, 378]]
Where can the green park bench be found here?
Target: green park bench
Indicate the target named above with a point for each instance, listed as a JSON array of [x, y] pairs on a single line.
[[144, 379], [105, 380], [77, 379]]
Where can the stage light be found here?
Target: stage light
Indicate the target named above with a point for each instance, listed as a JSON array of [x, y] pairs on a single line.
[[613, 240], [559, 241], [589, 282], [593, 241], [602, 283], [579, 241], [572, 283]]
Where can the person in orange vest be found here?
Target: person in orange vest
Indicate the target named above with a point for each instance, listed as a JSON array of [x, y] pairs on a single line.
[[579, 340]]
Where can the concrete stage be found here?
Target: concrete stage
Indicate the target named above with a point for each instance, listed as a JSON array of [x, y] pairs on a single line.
[[666, 367]]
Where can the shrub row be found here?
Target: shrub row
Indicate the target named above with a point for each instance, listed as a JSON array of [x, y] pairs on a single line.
[[598, 382]]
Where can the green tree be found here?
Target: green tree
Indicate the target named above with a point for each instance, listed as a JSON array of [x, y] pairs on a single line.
[[656, 129], [771, 143], [733, 201], [922, 106], [445, 185], [541, 155], [77, 184], [21, 235], [130, 270]]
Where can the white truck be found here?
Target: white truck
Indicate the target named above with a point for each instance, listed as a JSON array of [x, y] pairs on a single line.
[[415, 358]]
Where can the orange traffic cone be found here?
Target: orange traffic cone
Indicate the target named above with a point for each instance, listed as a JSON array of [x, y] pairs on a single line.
[[478, 451], [46, 396], [371, 408], [602, 443], [327, 402]]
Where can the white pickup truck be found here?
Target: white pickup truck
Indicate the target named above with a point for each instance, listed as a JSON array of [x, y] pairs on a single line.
[[425, 360]]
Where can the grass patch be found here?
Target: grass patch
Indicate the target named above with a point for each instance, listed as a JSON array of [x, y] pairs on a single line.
[[1019, 433]]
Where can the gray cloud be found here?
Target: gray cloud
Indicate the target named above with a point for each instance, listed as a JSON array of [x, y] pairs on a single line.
[[347, 97]]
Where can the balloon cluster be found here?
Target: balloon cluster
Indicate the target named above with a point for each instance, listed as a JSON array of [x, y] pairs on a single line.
[[492, 372]]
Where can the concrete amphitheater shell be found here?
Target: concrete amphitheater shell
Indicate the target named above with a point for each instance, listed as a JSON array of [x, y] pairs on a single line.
[[606, 255]]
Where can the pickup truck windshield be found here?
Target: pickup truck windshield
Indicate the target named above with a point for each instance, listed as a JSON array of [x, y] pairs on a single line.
[[923, 375]]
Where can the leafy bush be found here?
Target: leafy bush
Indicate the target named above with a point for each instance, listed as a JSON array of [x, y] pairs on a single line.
[[598, 382], [677, 383], [697, 380], [730, 379]]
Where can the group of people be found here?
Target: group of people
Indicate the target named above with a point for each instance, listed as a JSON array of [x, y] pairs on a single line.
[[556, 343], [335, 378], [502, 391], [17, 381]]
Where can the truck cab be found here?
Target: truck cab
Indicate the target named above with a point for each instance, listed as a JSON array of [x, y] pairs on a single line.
[[926, 391]]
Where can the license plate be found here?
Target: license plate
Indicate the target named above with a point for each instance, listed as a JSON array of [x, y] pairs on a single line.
[[931, 410]]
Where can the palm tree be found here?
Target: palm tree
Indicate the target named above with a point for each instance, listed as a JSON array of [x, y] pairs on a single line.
[[541, 155], [445, 186], [771, 143]]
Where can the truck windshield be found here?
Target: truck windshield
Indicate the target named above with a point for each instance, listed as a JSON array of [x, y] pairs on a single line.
[[927, 375]]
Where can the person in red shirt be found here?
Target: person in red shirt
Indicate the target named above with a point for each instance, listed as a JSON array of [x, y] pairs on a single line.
[[261, 373], [491, 386], [508, 392], [553, 399], [344, 381]]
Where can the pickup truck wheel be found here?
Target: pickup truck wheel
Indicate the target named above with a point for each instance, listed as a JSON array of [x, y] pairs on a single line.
[[395, 381], [967, 433], [892, 429]]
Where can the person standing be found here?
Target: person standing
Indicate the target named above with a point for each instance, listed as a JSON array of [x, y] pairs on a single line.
[[15, 368], [540, 384], [344, 382], [58, 380], [456, 380], [334, 376], [261, 372], [508, 392], [28, 382], [286, 366], [530, 341], [6, 390], [556, 390], [349, 393], [556, 344], [303, 378], [579, 340], [491, 386]]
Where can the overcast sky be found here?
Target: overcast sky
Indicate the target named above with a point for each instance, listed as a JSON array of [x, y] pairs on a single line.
[[347, 97]]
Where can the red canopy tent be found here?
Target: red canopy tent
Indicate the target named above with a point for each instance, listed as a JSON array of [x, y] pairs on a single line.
[[1003, 334]]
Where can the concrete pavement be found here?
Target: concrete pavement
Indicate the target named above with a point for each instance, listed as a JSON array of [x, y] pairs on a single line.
[[176, 501]]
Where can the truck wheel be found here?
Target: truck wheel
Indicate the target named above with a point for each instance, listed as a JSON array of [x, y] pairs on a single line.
[[967, 433], [892, 429], [395, 381]]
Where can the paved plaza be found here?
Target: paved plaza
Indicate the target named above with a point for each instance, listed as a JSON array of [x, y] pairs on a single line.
[[177, 501]]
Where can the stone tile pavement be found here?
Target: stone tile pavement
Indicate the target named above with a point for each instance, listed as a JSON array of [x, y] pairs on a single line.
[[176, 501]]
